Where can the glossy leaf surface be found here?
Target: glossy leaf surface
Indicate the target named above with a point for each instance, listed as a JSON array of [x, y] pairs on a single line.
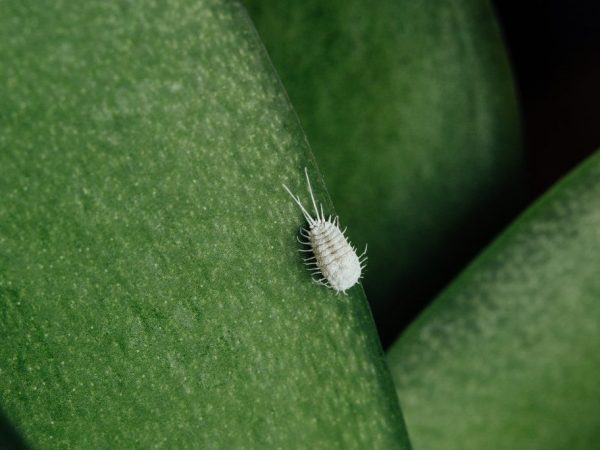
[[507, 357], [151, 291]]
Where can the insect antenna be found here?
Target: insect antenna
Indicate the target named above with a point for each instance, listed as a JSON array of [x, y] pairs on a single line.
[[312, 197], [305, 213]]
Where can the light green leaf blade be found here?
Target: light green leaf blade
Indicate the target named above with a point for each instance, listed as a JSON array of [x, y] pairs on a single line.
[[410, 110], [507, 357], [151, 292]]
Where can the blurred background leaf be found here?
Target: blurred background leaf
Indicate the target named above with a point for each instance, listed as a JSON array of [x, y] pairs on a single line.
[[507, 357], [554, 47], [9, 438], [410, 110], [150, 287]]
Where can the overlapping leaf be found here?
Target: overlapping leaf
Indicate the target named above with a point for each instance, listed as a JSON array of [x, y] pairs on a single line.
[[508, 356], [410, 111]]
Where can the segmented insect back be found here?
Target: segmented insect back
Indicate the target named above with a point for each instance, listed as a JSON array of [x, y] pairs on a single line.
[[332, 260]]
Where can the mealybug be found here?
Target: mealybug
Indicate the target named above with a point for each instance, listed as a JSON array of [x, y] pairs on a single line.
[[333, 258]]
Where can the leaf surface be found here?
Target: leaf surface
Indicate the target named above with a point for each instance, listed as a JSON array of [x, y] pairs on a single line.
[[151, 292], [507, 357]]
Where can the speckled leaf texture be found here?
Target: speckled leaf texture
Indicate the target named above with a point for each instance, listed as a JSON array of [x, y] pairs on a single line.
[[410, 110], [507, 357], [151, 291]]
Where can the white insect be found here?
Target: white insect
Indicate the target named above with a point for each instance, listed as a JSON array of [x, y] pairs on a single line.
[[333, 258]]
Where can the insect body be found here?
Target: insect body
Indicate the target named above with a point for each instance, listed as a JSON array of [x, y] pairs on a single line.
[[333, 259]]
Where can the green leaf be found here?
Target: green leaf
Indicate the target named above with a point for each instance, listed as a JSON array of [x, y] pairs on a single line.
[[151, 292], [507, 357], [410, 110]]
